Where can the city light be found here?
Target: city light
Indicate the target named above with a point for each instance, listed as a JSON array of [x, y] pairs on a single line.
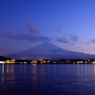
[[1, 61]]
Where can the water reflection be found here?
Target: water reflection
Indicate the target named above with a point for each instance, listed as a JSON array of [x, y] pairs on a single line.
[[2, 68], [24, 68], [94, 69], [86, 69], [7, 68], [10, 74], [47, 77], [55, 68], [34, 74], [80, 69], [2, 76], [20, 68]]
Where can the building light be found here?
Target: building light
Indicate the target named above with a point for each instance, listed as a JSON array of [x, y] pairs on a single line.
[[74, 62], [48, 61], [24, 62], [1, 61], [20, 62], [34, 61], [43, 61], [13, 61], [54, 62], [8, 61], [93, 62]]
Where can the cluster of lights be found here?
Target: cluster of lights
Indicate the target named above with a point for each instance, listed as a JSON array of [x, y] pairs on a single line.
[[1, 61], [43, 61], [8, 61], [34, 61]]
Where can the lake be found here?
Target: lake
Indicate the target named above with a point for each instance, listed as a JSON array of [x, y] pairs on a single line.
[[47, 79]]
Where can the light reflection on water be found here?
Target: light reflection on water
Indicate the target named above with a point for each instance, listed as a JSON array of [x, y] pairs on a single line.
[[47, 79]]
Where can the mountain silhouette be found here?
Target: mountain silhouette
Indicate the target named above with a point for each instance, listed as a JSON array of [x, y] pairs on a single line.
[[50, 51]]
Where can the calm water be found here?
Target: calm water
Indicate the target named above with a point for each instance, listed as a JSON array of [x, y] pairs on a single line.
[[47, 79]]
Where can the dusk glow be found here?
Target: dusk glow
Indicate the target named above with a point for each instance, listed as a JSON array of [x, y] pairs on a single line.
[[47, 47], [69, 24]]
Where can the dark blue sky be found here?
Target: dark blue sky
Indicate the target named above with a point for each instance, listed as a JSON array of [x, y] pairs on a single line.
[[69, 24]]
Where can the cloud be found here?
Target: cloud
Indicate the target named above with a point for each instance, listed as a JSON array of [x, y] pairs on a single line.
[[69, 39], [63, 40], [24, 36], [4, 32], [33, 38], [91, 41], [74, 38], [32, 28], [30, 38], [59, 29]]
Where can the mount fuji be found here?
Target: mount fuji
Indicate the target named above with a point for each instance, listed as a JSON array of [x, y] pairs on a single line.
[[50, 51]]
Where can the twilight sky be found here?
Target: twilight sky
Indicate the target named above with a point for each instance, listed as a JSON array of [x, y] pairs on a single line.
[[69, 24]]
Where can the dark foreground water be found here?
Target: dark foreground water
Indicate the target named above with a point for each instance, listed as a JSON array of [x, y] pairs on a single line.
[[47, 79]]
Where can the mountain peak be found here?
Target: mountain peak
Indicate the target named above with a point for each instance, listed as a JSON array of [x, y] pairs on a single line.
[[46, 47], [47, 50], [47, 44]]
